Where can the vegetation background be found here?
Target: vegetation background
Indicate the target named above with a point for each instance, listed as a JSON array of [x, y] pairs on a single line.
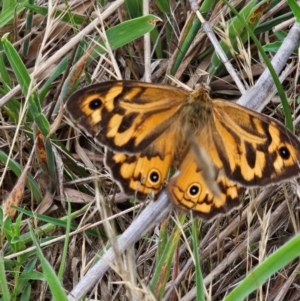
[[53, 228]]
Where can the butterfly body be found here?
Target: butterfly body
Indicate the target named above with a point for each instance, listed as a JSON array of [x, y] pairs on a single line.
[[217, 146]]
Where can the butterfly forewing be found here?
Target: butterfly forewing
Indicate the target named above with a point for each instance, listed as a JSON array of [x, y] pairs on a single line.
[[126, 116], [255, 150]]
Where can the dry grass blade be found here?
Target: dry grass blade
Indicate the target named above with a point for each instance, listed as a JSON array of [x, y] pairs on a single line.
[[15, 196]]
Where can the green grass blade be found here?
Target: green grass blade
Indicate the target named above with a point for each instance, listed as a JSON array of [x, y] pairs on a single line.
[[7, 16], [62, 15], [191, 30], [28, 29], [200, 296], [284, 255], [3, 281], [235, 28], [58, 293], [128, 31], [295, 8], [24, 80], [5, 78], [163, 267]]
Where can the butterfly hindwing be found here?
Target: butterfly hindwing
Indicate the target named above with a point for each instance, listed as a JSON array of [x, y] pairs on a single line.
[[146, 172], [192, 190]]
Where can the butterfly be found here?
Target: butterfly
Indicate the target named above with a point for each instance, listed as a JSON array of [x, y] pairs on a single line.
[[151, 130]]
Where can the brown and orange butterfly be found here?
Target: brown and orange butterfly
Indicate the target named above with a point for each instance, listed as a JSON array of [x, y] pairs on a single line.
[[148, 129]]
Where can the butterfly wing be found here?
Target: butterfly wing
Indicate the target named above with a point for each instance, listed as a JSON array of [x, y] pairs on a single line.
[[244, 148], [191, 190], [143, 173], [255, 150], [126, 116]]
